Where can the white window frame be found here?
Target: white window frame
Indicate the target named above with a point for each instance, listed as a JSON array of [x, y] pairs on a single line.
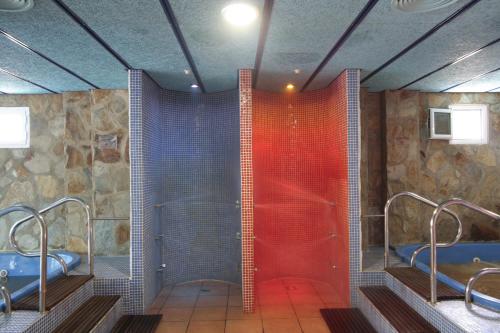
[[483, 108], [26, 112], [433, 134]]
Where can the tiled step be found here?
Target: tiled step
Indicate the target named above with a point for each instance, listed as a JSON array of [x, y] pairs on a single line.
[[132, 324], [395, 311], [419, 282], [57, 291], [346, 320], [88, 315]]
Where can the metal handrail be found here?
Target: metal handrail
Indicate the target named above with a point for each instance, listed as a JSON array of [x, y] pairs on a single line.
[[6, 298], [443, 206], [472, 281], [90, 227], [17, 248], [417, 251], [42, 287]]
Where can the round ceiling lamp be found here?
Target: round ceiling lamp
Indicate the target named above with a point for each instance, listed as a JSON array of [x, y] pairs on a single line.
[[240, 14]]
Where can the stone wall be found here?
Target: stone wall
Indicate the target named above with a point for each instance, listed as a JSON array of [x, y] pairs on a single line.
[[373, 189], [35, 175], [65, 158], [437, 169]]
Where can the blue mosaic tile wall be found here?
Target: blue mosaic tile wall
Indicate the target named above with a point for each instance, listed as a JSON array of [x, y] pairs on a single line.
[[201, 220], [356, 276], [145, 149]]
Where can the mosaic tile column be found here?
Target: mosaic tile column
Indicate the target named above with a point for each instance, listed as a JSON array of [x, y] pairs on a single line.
[[247, 232]]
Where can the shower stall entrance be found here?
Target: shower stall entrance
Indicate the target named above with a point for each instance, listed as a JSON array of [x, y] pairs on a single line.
[[200, 186], [300, 197]]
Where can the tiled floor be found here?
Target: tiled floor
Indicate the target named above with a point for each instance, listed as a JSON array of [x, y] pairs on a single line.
[[283, 306]]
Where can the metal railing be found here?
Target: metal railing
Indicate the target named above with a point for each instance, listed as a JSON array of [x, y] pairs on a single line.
[[6, 298], [42, 287], [17, 248], [442, 207], [427, 202], [90, 232], [472, 281]]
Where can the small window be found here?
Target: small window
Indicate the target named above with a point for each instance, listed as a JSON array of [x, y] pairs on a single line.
[[469, 124], [14, 127], [440, 124]]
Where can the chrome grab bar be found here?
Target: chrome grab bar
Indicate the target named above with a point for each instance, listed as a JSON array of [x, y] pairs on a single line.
[[42, 287], [417, 251], [433, 222], [6, 298], [110, 219], [17, 248], [472, 281], [90, 227]]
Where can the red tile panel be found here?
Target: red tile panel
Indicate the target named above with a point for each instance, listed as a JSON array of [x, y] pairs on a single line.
[[300, 185]]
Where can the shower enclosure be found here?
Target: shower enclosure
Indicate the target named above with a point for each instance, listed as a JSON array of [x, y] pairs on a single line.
[[300, 187], [242, 186]]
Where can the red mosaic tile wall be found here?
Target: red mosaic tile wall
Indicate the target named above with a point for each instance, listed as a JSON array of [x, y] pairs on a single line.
[[247, 224], [300, 185]]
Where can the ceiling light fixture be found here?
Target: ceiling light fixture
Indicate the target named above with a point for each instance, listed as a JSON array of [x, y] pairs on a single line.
[[290, 86], [296, 71], [419, 6], [15, 5], [240, 14], [195, 86], [187, 72]]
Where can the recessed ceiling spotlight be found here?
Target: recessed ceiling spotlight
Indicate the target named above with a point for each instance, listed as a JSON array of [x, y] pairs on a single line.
[[240, 14], [15, 5], [290, 86], [187, 71], [296, 71], [419, 6], [195, 86]]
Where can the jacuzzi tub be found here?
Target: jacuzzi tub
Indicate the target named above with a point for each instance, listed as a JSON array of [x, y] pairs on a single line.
[[461, 253], [24, 272]]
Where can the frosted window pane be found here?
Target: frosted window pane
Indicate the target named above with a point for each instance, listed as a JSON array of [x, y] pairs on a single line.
[[466, 125], [14, 127]]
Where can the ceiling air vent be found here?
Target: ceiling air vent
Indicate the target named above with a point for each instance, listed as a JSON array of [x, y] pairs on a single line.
[[15, 5], [418, 6]]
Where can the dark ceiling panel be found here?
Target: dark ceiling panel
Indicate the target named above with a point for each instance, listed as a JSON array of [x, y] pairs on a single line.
[[301, 34], [17, 60], [218, 49], [47, 29], [383, 34], [11, 85], [475, 28], [140, 32], [480, 63]]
